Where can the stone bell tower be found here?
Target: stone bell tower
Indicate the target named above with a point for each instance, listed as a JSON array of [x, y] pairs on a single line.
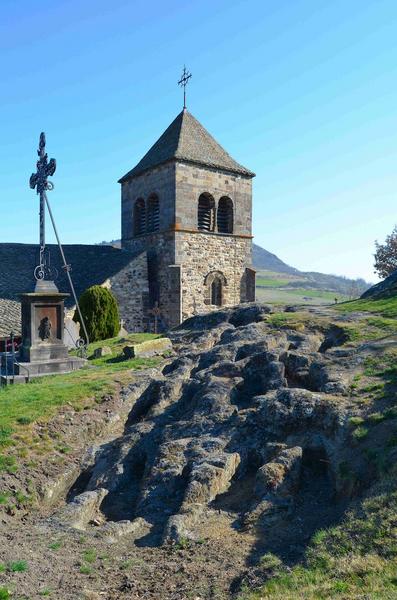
[[188, 203]]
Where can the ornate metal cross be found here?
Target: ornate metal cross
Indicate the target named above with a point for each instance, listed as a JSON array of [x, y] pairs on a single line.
[[184, 80], [39, 181]]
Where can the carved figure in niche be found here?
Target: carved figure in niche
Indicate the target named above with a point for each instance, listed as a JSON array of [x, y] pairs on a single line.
[[45, 329]]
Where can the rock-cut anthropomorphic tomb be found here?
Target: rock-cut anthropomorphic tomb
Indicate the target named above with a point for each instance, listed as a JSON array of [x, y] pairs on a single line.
[[188, 205]]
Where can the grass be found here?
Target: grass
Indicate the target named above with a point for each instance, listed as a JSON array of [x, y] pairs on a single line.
[[300, 320], [281, 288], [360, 433], [386, 307], [89, 556], [4, 594], [356, 421], [366, 329], [55, 545], [293, 295], [271, 282], [355, 560], [85, 570], [18, 566], [23, 405], [117, 344]]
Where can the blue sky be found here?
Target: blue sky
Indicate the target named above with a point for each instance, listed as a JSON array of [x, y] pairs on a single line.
[[302, 92]]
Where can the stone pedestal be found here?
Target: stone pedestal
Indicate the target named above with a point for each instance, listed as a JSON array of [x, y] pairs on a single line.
[[43, 350]]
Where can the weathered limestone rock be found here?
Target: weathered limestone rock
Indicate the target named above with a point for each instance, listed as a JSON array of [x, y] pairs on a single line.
[[83, 509], [148, 349], [210, 477], [220, 424], [281, 476], [112, 531]]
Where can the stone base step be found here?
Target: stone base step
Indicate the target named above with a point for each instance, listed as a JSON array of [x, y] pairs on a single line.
[[9, 380], [49, 367], [23, 372]]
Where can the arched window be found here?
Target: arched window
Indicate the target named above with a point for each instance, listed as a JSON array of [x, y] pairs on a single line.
[[206, 213], [225, 215], [214, 284], [153, 214], [139, 217]]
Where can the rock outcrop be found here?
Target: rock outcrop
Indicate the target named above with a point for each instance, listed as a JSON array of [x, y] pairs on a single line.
[[383, 289], [229, 424]]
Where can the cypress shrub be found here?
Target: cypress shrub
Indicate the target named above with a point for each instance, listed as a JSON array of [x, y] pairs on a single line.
[[100, 312]]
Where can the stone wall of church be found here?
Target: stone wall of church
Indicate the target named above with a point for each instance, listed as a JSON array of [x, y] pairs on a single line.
[[130, 287], [163, 275], [202, 253], [199, 253], [192, 181], [179, 257], [159, 181]]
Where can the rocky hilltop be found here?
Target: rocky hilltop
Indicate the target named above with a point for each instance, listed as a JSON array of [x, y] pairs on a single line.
[[240, 444], [231, 424]]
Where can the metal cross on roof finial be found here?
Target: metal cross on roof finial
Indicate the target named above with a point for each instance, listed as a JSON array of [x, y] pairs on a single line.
[[184, 80], [39, 181]]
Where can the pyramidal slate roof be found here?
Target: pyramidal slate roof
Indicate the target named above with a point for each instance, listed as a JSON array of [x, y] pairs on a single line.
[[187, 140]]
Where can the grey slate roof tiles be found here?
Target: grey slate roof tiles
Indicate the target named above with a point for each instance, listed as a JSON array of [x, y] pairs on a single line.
[[91, 265], [186, 140], [10, 317]]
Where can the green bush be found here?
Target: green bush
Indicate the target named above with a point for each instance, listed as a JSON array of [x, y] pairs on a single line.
[[100, 312]]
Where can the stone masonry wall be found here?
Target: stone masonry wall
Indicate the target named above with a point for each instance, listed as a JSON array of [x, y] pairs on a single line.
[[162, 286], [202, 253], [130, 286], [192, 181], [179, 256], [160, 181]]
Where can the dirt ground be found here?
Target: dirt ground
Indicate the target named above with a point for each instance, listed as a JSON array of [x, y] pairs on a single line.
[[71, 565], [61, 563]]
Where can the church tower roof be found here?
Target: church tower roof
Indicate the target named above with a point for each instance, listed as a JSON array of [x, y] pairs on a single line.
[[187, 140]]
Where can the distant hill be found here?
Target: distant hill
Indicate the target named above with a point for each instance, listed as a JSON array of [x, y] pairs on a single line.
[[291, 278], [264, 260]]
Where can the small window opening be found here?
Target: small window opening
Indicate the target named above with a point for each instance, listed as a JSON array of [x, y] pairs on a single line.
[[139, 217], [225, 216], [153, 214], [205, 213]]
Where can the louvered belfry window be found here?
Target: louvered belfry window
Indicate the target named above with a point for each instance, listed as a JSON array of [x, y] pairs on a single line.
[[153, 214], [139, 217], [205, 213], [225, 215]]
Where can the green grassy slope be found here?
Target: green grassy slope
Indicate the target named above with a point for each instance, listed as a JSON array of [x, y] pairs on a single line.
[[282, 288], [22, 405], [357, 559], [386, 307]]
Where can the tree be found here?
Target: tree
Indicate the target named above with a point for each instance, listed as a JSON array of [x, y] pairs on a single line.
[[386, 255], [100, 313]]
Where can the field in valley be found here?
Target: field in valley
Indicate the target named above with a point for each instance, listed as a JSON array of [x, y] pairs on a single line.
[[282, 288]]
